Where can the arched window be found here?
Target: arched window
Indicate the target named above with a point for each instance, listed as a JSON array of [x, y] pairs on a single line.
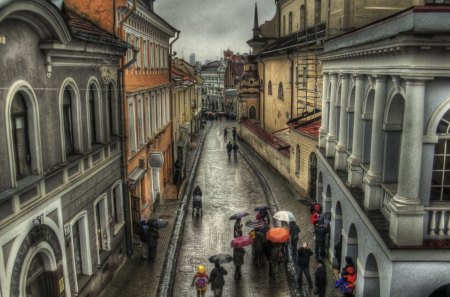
[[68, 116], [252, 112], [21, 137], [93, 115], [440, 183], [290, 22], [280, 91], [302, 18], [112, 111], [297, 160], [317, 12], [269, 88]]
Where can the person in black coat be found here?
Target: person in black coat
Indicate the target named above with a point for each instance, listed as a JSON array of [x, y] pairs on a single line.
[[303, 255], [320, 279], [238, 260], [229, 149], [237, 228], [320, 231], [152, 242], [235, 150], [216, 279]]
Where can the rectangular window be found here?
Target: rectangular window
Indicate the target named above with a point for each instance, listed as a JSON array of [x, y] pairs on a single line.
[[154, 128], [139, 55], [152, 55], [131, 126], [77, 248], [129, 51], [148, 124], [159, 111], [117, 204], [157, 57], [140, 120]]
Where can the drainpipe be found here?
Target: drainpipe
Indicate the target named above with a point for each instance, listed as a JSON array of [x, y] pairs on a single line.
[[125, 191], [292, 85], [171, 106], [263, 103]]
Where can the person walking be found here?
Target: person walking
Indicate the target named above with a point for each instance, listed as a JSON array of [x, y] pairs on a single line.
[[225, 133], [320, 279], [200, 281], [216, 279], [229, 149], [152, 242], [237, 228], [143, 230], [320, 231], [235, 150], [234, 132], [304, 253], [238, 260], [294, 232]]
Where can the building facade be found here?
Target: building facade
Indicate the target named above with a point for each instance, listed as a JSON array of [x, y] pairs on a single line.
[[213, 74], [381, 169], [61, 191]]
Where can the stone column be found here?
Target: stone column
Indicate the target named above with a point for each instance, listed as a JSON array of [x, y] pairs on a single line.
[[406, 224], [331, 136], [341, 147], [373, 177], [354, 161], [323, 131]]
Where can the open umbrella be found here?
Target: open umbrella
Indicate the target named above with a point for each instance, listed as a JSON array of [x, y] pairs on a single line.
[[222, 258], [284, 215], [239, 215], [241, 241], [262, 208], [277, 235], [255, 224], [157, 223]]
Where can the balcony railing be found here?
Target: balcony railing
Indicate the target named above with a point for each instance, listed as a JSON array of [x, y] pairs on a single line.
[[438, 226], [387, 195]]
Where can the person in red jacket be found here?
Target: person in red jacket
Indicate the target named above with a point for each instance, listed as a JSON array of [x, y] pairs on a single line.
[[350, 278], [200, 281]]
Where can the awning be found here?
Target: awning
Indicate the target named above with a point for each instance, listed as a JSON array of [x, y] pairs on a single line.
[[135, 176]]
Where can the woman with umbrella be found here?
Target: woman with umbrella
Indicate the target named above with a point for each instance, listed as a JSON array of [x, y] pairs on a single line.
[[237, 225], [238, 261], [152, 237]]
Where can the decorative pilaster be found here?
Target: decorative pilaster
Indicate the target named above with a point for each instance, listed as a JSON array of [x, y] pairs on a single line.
[[407, 212], [341, 147], [354, 161], [372, 180], [331, 136], [323, 131]]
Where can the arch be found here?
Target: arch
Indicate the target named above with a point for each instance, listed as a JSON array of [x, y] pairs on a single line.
[[443, 291], [336, 232], [42, 16], [112, 107], [371, 277], [76, 115], [439, 176], [302, 18], [252, 112], [290, 22], [352, 243], [393, 125], [95, 131], [436, 117], [33, 129]]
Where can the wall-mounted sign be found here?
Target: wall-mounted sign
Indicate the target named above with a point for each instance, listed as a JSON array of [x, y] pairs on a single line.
[[155, 160]]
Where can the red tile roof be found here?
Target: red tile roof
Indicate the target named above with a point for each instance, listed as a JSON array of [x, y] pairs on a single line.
[[310, 128], [272, 140]]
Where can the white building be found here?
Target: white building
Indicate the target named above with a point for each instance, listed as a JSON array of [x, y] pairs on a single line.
[[383, 171], [214, 75]]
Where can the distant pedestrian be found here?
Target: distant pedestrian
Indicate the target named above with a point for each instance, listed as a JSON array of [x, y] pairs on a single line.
[[143, 230], [229, 149], [235, 150], [294, 232], [234, 132], [237, 228], [216, 279], [200, 281], [266, 217], [320, 279], [225, 132], [303, 255], [238, 260], [320, 231], [152, 241]]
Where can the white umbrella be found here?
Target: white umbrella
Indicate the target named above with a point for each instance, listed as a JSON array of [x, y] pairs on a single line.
[[284, 215]]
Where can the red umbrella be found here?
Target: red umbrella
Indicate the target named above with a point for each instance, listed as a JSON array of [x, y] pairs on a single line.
[[279, 235], [241, 241]]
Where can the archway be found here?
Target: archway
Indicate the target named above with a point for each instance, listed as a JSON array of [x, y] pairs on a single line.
[[371, 280], [312, 175], [393, 138], [252, 112], [336, 233], [443, 291], [41, 276], [352, 244]]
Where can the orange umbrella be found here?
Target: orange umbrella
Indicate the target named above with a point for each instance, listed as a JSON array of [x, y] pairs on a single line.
[[279, 235]]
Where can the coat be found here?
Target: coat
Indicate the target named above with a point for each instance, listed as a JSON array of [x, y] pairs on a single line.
[[229, 147], [294, 231], [321, 231], [303, 255], [238, 256], [216, 277], [321, 279], [152, 237], [237, 229]]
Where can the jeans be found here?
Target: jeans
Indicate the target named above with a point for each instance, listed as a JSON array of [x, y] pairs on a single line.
[[305, 271]]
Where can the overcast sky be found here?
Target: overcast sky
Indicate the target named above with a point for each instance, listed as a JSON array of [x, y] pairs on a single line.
[[208, 27]]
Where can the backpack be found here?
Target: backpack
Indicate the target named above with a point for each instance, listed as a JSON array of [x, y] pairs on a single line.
[[200, 282]]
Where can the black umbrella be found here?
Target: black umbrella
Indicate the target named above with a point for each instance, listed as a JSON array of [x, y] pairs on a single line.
[[262, 208], [157, 223], [222, 258], [239, 215]]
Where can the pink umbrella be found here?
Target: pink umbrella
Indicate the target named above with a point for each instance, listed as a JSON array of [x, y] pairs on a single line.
[[241, 241]]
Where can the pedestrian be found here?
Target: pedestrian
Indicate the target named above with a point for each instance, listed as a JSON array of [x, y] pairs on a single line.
[[200, 281], [350, 279], [216, 279], [229, 149], [320, 231], [152, 241], [143, 229], [234, 132], [238, 260], [225, 132], [348, 263], [303, 255], [321, 279], [235, 150], [237, 228], [294, 232], [266, 217]]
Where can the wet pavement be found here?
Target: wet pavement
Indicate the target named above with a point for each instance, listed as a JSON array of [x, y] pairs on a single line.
[[228, 186]]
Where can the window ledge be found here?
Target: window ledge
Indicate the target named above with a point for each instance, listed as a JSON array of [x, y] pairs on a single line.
[[22, 185]]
